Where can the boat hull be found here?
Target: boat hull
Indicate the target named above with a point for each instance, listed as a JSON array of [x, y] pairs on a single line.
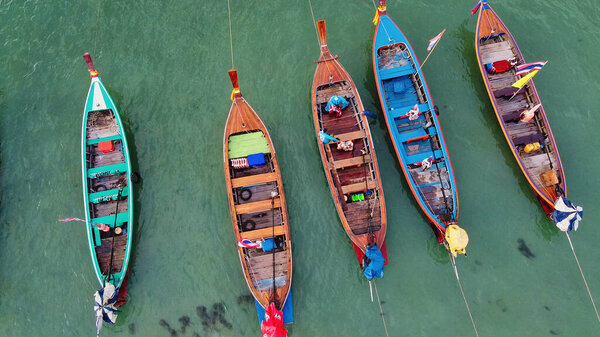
[[332, 79], [103, 175], [531, 164], [261, 213], [396, 68]]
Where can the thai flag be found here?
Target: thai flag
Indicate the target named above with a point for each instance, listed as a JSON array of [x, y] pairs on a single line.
[[245, 243], [70, 219], [476, 8], [529, 67], [433, 41]]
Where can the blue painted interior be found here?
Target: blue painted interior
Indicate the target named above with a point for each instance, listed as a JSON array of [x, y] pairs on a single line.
[[399, 96], [288, 311]]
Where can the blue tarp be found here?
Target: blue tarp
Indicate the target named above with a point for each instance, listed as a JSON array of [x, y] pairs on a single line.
[[340, 101], [566, 215], [268, 244], [325, 138], [375, 266], [288, 311]]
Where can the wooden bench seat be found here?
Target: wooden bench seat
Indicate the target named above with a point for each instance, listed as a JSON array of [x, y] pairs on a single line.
[[263, 233], [354, 161], [358, 187], [253, 180], [528, 139], [351, 135], [257, 206]]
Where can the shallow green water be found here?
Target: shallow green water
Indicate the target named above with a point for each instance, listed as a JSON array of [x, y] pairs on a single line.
[[166, 64]]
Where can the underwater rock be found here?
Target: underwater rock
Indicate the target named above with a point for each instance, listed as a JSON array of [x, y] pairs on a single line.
[[201, 312], [245, 299], [524, 249], [225, 323], [185, 322], [166, 325], [500, 303]]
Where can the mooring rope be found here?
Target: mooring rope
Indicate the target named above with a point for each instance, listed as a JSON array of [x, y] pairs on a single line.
[[312, 13], [583, 276], [463, 293], [230, 35], [381, 310], [96, 29]]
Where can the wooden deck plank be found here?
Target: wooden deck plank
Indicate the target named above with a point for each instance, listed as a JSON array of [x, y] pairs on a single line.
[[253, 180], [496, 55], [257, 206], [351, 135], [358, 187], [103, 253], [263, 233], [339, 164]]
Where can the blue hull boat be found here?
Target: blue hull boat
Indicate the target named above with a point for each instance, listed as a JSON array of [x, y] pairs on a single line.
[[413, 125]]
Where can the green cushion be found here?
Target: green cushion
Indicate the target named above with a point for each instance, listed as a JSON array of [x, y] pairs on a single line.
[[247, 143]]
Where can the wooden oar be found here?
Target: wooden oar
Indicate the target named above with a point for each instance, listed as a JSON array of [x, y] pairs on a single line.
[[112, 245]]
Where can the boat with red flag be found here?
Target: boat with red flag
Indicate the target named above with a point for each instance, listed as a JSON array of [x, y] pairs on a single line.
[[257, 206], [107, 194]]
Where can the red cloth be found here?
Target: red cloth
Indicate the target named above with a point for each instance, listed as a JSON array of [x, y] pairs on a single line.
[[106, 147], [501, 66], [334, 109], [272, 326]]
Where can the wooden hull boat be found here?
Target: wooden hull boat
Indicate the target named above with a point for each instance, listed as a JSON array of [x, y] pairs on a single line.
[[107, 188], [417, 135], [351, 174], [257, 204], [541, 167]]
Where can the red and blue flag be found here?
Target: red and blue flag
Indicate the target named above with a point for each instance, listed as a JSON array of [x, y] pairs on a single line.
[[245, 243], [529, 67]]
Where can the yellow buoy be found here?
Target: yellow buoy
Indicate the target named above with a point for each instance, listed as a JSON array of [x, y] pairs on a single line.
[[532, 147], [456, 240]]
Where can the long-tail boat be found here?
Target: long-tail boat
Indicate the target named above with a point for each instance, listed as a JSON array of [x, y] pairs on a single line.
[[414, 128], [107, 188], [532, 142], [352, 174], [257, 206]]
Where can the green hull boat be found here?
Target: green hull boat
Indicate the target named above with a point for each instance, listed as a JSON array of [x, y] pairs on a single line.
[[107, 188]]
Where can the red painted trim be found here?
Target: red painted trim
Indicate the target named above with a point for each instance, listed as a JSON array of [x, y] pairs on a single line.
[[417, 138]]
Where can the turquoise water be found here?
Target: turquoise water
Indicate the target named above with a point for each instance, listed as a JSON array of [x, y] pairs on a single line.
[[166, 64]]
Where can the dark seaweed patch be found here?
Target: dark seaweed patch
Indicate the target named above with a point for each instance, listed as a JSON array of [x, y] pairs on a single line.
[[245, 299], [166, 325], [185, 322]]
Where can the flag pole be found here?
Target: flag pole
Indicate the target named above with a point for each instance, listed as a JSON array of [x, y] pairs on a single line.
[[511, 97], [432, 49]]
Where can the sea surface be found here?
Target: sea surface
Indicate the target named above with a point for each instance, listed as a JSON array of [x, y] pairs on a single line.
[[165, 64]]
